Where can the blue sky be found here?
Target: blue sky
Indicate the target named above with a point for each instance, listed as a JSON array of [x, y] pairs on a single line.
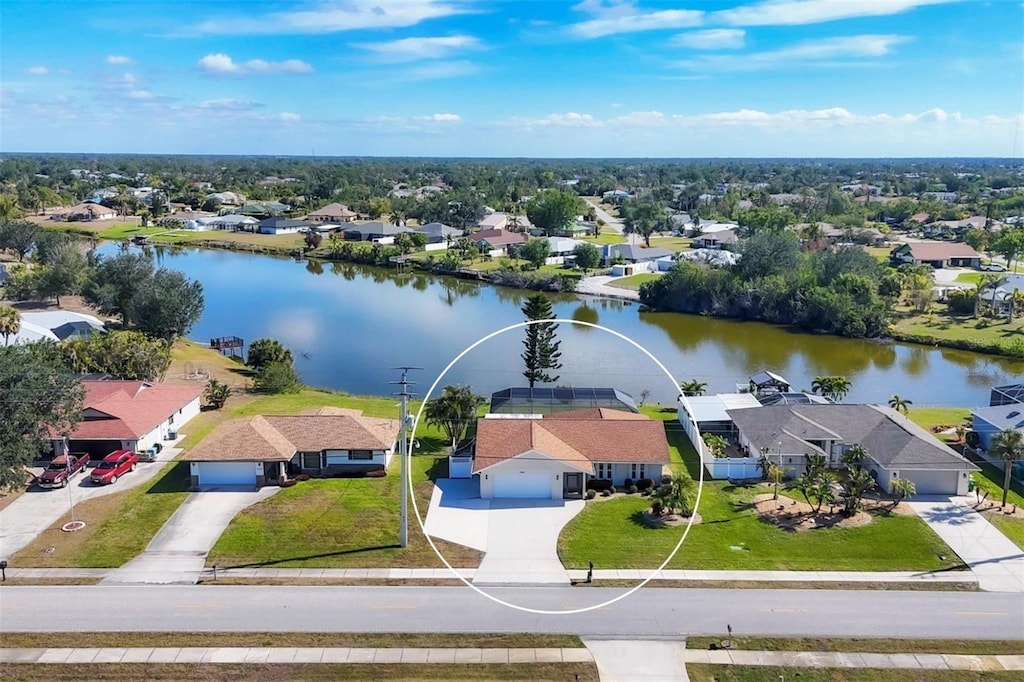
[[598, 78]]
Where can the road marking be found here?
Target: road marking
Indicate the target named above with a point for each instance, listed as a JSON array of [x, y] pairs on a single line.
[[980, 613]]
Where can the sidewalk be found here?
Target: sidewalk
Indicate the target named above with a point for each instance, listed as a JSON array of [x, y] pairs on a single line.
[[293, 655], [814, 659], [356, 574]]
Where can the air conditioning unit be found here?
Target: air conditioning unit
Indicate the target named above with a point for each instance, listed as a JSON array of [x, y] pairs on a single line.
[[172, 435]]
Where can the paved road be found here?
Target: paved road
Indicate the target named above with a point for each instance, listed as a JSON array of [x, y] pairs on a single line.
[[611, 222], [38, 509], [598, 286], [649, 612]]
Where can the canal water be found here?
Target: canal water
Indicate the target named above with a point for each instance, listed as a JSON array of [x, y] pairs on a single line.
[[349, 326]]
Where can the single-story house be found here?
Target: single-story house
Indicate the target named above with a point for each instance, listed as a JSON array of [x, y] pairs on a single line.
[[187, 220], [439, 233], [264, 209], [282, 226], [54, 325], [715, 240], [231, 221], [332, 213], [711, 412], [555, 456], [632, 254], [497, 240], [368, 232], [260, 450], [1002, 293], [563, 246], [547, 400], [494, 221], [989, 421], [89, 211], [129, 415], [937, 254], [226, 198], [896, 447]]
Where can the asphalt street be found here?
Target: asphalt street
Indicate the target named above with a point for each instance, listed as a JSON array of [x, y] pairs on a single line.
[[650, 612]]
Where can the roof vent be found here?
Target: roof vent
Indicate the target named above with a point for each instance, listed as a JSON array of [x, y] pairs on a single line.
[[1013, 414]]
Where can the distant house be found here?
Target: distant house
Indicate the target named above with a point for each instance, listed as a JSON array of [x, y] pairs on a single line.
[[256, 451], [633, 254], [563, 246], [494, 221], [89, 211], [496, 242], [716, 240], [554, 457], [282, 226], [711, 412], [186, 220], [896, 447], [615, 195], [264, 209], [226, 198], [231, 221], [375, 231], [438, 233], [937, 254], [947, 197], [129, 415], [332, 213], [1000, 294]]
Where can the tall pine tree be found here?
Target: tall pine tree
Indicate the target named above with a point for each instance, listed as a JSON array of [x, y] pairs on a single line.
[[542, 352]]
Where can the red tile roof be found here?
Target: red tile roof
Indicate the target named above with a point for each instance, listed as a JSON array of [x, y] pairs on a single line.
[[498, 237], [129, 409], [576, 439]]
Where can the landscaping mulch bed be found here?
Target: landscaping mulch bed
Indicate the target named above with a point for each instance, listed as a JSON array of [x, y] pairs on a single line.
[[795, 515], [668, 520]]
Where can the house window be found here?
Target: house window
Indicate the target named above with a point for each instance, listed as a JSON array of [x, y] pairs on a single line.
[[604, 470], [638, 471], [335, 457], [310, 460], [360, 454], [171, 419]]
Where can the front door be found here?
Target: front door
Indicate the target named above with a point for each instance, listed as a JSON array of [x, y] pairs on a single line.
[[271, 471], [572, 485]]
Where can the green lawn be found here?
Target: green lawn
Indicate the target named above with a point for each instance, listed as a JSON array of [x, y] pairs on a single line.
[[127, 231], [607, 236], [732, 536], [969, 278], [939, 324], [927, 417], [1010, 527], [633, 281], [702, 672], [331, 523]]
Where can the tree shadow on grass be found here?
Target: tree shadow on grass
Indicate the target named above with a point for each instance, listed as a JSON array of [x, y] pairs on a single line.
[[275, 562]]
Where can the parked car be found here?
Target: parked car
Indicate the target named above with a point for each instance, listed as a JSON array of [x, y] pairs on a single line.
[[61, 469], [113, 466], [992, 267]]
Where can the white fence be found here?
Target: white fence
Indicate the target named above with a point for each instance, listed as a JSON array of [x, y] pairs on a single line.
[[439, 246], [717, 467]]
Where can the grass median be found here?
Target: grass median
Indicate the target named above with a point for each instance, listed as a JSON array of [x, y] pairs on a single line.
[[701, 672]]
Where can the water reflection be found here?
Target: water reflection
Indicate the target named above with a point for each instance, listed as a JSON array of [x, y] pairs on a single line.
[[586, 313]]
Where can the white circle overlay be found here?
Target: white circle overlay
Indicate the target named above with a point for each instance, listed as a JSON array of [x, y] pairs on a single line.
[[430, 541]]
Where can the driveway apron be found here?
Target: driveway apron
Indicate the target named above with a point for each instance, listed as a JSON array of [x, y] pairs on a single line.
[[522, 542], [995, 561], [177, 553], [639, 660]]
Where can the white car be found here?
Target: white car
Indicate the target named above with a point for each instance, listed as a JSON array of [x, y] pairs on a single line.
[[992, 267]]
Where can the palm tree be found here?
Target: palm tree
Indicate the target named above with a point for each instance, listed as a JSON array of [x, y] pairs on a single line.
[[775, 475], [988, 280], [899, 404], [834, 388], [901, 488], [693, 387], [453, 411], [10, 323], [854, 456], [1007, 445]]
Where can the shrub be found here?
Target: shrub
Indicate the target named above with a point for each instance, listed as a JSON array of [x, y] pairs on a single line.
[[289, 483], [599, 484], [591, 494], [627, 483], [302, 477], [632, 490], [644, 484], [606, 493], [667, 478], [656, 508], [612, 490], [376, 473]]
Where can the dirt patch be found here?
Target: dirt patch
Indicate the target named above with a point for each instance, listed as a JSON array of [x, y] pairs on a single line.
[[992, 508], [667, 520], [795, 515]]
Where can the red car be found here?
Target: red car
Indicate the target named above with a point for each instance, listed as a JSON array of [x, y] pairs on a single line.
[[117, 463], [61, 470]]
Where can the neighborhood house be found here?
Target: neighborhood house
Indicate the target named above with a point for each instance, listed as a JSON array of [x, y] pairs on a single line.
[[262, 450], [128, 415], [937, 254], [554, 456]]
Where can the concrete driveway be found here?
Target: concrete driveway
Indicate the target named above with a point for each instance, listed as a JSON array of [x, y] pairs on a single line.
[[520, 537], [995, 561], [38, 509], [647, 660], [177, 553]]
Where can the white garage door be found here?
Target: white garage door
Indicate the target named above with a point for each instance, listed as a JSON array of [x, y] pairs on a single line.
[[227, 473], [522, 485], [933, 482]]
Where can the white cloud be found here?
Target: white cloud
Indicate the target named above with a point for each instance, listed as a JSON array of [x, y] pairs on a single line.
[[438, 70], [335, 16], [140, 94], [119, 59], [37, 71], [410, 49], [222, 64], [570, 119], [288, 116], [441, 118], [808, 52], [625, 18], [229, 104], [712, 39], [799, 12]]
